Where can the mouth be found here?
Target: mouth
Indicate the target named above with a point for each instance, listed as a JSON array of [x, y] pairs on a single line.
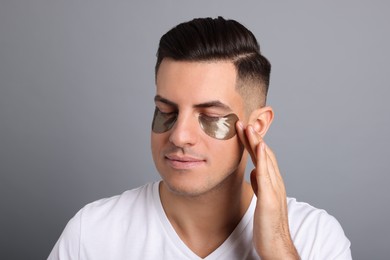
[[183, 162]]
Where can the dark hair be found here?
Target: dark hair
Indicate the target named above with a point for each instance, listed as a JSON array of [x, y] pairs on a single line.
[[205, 39]]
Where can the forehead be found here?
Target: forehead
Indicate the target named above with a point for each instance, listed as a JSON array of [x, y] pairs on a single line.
[[196, 82]]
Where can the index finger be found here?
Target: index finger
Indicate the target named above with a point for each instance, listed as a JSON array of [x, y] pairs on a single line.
[[249, 139]]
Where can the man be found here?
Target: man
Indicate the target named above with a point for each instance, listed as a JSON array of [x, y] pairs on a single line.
[[210, 116]]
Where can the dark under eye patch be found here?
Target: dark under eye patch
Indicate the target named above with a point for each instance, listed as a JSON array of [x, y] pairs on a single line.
[[162, 122], [222, 128]]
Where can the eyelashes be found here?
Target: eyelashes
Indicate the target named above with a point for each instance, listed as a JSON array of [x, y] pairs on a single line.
[[222, 128]]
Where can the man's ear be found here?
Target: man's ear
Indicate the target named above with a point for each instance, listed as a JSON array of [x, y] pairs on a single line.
[[261, 119]]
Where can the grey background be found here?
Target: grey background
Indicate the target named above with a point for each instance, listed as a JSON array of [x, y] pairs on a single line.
[[76, 91]]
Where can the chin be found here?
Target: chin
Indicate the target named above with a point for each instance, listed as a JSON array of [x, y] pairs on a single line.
[[196, 186], [187, 187]]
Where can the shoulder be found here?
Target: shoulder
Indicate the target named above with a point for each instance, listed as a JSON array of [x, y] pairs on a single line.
[[128, 196], [315, 231], [298, 209], [118, 207], [105, 221], [302, 214]]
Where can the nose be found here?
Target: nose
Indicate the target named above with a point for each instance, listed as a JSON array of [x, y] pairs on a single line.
[[185, 132]]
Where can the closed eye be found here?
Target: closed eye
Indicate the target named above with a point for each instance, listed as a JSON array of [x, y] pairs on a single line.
[[211, 117], [173, 113]]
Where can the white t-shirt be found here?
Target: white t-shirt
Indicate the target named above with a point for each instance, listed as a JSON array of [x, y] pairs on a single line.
[[133, 225]]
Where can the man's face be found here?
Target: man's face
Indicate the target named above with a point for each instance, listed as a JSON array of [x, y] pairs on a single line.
[[189, 161]]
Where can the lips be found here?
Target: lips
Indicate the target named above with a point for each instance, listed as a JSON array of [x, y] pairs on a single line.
[[183, 162]]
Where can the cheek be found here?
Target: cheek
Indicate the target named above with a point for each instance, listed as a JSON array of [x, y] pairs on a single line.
[[156, 141], [226, 151]]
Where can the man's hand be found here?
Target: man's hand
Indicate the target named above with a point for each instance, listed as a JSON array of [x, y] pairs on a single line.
[[271, 234]]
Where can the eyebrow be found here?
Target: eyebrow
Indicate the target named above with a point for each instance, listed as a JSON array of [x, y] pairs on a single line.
[[159, 98], [213, 103]]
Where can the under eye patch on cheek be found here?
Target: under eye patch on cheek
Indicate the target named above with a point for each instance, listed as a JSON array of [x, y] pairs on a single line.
[[162, 122], [222, 128]]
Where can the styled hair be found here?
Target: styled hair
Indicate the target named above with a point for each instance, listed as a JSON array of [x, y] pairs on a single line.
[[209, 39]]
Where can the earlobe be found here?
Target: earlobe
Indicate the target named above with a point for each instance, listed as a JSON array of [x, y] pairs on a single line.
[[262, 119]]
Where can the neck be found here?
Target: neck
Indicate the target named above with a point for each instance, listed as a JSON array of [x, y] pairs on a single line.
[[205, 221]]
